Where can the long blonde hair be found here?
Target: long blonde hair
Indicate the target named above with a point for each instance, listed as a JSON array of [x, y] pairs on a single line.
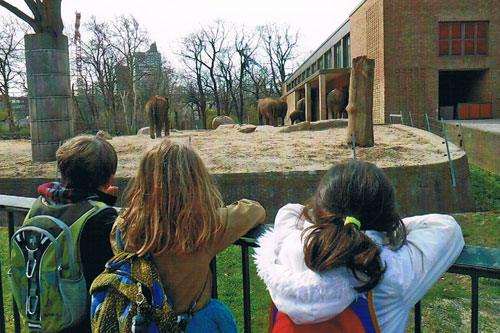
[[172, 204]]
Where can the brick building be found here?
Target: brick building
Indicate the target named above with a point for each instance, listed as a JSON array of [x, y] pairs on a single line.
[[434, 57]]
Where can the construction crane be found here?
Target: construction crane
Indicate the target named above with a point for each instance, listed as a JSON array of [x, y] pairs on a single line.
[[78, 47]]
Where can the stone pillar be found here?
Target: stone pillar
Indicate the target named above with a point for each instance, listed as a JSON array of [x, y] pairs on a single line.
[[322, 97], [360, 108], [308, 101], [49, 94]]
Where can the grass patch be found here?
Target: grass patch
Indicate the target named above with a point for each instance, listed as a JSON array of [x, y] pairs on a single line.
[[486, 189]]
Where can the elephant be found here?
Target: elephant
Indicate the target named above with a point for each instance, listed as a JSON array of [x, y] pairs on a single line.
[[298, 115], [157, 112], [272, 108], [335, 102]]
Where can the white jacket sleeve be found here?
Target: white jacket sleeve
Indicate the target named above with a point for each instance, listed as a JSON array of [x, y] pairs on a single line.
[[433, 244]]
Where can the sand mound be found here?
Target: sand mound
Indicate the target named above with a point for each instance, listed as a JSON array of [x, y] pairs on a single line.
[[267, 149]]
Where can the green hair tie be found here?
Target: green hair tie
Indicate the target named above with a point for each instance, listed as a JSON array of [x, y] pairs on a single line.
[[353, 220]]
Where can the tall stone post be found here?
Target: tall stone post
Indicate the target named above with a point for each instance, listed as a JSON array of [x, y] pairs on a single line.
[[308, 99], [49, 94], [322, 96], [360, 107]]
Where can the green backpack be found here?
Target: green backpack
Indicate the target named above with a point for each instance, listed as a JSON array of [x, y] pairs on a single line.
[[46, 274]]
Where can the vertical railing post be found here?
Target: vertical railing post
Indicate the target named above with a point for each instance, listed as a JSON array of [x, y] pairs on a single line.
[[450, 162], [17, 320], [213, 269], [418, 317], [474, 304], [2, 316], [246, 289], [427, 121], [353, 145]]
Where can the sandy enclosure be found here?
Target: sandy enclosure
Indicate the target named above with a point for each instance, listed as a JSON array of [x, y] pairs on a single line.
[[226, 150]]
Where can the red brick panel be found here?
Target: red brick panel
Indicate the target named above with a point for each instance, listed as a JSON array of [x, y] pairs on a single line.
[[463, 111], [474, 111], [485, 111]]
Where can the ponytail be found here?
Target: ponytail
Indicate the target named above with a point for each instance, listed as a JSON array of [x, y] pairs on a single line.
[[332, 244], [351, 197]]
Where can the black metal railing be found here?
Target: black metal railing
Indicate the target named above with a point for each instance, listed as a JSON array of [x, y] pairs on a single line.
[[477, 262]]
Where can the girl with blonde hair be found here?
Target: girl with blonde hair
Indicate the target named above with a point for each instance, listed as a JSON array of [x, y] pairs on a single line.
[[176, 215]]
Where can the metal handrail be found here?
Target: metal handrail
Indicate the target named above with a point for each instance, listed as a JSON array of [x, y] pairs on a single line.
[[473, 261]]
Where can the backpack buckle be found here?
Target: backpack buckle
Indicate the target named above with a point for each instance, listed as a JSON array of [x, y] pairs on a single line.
[[31, 306], [30, 268]]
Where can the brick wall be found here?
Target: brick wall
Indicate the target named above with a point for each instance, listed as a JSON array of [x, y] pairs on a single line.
[[402, 37], [367, 38], [411, 55]]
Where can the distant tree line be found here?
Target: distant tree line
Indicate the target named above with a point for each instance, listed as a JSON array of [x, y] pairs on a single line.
[[226, 69]]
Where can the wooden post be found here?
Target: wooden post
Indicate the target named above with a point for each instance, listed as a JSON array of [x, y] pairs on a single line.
[[360, 107], [49, 94]]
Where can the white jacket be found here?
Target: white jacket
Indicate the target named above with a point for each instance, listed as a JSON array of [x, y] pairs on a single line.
[[433, 243]]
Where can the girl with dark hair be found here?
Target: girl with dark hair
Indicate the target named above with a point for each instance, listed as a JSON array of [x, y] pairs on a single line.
[[346, 262]]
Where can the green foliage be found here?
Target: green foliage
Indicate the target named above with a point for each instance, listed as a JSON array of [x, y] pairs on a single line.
[[486, 189], [211, 114], [253, 114], [3, 114]]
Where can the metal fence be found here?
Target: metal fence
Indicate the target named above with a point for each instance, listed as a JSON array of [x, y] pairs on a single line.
[[476, 262]]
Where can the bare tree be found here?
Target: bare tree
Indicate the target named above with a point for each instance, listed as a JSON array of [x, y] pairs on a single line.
[[245, 48], [212, 39], [227, 75], [280, 44], [129, 38], [191, 55], [11, 58], [99, 73]]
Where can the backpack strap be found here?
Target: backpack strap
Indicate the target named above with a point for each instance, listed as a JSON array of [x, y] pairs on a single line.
[[119, 238]]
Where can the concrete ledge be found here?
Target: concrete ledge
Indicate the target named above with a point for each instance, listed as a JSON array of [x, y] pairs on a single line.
[[482, 146], [420, 189]]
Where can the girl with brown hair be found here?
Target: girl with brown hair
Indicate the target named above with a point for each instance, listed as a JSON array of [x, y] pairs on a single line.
[[346, 262], [176, 215]]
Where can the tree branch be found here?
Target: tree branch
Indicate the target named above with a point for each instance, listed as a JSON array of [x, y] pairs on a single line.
[[16, 11]]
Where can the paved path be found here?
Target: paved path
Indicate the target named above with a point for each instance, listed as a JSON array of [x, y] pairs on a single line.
[[491, 125]]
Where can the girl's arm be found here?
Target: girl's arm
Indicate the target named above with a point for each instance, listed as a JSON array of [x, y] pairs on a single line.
[[237, 219], [434, 242]]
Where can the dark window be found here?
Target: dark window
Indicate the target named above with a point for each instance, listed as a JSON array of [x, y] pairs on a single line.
[[347, 51], [463, 38], [337, 52], [328, 59]]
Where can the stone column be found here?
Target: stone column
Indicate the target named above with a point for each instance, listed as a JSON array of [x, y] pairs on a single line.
[[49, 94], [308, 101], [322, 97]]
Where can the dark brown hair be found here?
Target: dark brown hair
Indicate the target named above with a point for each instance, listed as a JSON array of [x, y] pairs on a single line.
[[86, 162], [360, 190]]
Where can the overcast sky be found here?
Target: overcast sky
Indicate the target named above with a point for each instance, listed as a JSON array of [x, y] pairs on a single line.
[[168, 21]]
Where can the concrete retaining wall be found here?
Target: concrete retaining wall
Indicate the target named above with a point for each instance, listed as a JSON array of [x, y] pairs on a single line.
[[420, 189], [482, 146]]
